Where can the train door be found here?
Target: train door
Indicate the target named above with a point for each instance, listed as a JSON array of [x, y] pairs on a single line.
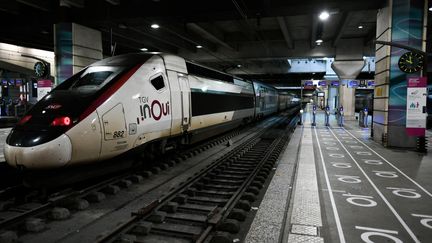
[[185, 102]]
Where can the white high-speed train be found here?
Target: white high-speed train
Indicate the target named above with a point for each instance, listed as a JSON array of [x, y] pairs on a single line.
[[135, 102]]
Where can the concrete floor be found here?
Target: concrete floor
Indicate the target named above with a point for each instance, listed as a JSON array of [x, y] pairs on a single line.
[[365, 192], [370, 193]]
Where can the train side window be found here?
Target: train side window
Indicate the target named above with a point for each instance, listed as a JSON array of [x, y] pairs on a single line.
[[158, 83]]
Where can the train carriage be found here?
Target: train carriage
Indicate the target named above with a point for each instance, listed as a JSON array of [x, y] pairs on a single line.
[[136, 102]]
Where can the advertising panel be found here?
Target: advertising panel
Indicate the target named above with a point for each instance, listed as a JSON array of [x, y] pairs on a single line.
[[416, 112]]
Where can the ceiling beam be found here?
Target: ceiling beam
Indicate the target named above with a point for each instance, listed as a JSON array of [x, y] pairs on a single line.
[[314, 29], [343, 23], [371, 36], [284, 28], [144, 42], [201, 31], [160, 37], [41, 5], [180, 32]]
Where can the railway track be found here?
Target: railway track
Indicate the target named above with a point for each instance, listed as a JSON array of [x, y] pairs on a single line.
[[24, 212], [211, 204]]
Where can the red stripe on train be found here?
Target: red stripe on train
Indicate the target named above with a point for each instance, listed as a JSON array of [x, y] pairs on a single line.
[[109, 92]]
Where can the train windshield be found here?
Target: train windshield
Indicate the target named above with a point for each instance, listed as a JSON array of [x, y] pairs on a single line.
[[91, 79]]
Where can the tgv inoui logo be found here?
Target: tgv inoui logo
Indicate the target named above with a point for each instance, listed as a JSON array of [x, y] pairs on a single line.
[[154, 109]]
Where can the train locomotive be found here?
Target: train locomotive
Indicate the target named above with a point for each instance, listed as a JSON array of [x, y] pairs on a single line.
[[135, 102]]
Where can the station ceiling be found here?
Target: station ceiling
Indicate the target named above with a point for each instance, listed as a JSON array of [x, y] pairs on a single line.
[[241, 36]]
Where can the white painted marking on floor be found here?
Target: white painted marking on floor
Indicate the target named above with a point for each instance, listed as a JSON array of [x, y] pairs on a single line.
[[388, 162], [338, 191], [329, 188], [395, 213]]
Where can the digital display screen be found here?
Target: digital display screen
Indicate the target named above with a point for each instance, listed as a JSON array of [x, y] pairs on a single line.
[[371, 83], [18, 82], [4, 82]]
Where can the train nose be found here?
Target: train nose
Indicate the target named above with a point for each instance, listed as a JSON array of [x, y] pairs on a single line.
[[53, 154]]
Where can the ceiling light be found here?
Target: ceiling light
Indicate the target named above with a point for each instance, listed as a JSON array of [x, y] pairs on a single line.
[[430, 9], [198, 46], [360, 26], [239, 65], [122, 26], [324, 15], [144, 49], [319, 41], [155, 26]]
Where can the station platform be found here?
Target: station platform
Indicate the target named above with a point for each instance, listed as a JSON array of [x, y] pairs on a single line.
[[334, 184]]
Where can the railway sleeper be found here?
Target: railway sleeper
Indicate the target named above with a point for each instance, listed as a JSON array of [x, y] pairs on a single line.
[[229, 225], [238, 214], [236, 172], [242, 167], [221, 237], [209, 200], [224, 182], [217, 187], [184, 230], [243, 204], [230, 176], [254, 190], [205, 209], [192, 217], [211, 193]]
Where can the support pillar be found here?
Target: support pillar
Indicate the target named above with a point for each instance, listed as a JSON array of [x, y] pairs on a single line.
[[347, 100], [75, 47], [401, 21]]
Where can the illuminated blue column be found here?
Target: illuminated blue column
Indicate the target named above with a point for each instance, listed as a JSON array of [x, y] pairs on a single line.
[[75, 47], [401, 22]]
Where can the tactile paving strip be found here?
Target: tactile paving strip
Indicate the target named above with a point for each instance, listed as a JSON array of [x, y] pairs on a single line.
[[294, 238], [268, 222], [304, 230], [306, 208]]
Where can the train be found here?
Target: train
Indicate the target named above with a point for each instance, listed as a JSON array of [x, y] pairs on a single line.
[[142, 103]]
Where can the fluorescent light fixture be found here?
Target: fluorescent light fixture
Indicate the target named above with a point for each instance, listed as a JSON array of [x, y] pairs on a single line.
[[198, 46], [319, 41], [155, 26], [324, 15], [144, 49], [360, 26], [239, 65], [430, 9]]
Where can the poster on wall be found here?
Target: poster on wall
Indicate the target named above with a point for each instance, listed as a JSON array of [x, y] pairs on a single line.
[[43, 88], [416, 112]]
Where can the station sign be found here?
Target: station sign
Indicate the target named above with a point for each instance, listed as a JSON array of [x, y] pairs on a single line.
[[322, 83], [416, 111], [371, 83], [335, 83], [353, 84], [308, 83]]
